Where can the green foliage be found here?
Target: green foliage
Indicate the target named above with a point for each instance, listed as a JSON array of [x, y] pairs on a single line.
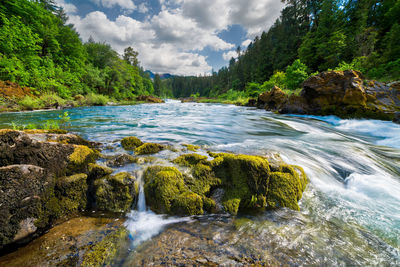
[[253, 89], [296, 74], [65, 120], [324, 34], [38, 49], [96, 100]]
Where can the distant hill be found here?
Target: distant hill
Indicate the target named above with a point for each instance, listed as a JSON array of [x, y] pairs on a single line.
[[162, 76]]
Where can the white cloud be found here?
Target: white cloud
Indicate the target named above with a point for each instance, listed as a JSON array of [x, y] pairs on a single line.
[[68, 8], [127, 5], [153, 55], [246, 43], [228, 55], [171, 41], [142, 8], [184, 33], [254, 15]]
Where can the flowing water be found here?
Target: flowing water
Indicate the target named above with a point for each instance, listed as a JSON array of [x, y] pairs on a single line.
[[350, 212]]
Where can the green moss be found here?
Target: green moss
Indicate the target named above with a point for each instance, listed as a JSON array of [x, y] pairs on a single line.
[[202, 179], [162, 185], [187, 203], [243, 177], [80, 158], [193, 148], [231, 205], [284, 191], [116, 193], [189, 160], [97, 171], [71, 192], [131, 143], [209, 204], [103, 253], [149, 148]]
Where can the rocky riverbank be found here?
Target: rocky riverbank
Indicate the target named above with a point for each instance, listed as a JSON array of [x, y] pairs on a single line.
[[49, 177], [342, 93]]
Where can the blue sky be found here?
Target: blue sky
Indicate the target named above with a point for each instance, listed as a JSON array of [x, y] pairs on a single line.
[[182, 37]]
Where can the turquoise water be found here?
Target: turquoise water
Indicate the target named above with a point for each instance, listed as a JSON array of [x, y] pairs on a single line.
[[350, 212]]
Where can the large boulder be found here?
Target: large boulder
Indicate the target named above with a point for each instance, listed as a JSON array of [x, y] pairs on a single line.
[[342, 93], [40, 182], [236, 183], [149, 99], [334, 88], [272, 100], [166, 192], [21, 188], [116, 193]]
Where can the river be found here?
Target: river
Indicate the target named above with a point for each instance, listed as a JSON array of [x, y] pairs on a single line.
[[350, 211]]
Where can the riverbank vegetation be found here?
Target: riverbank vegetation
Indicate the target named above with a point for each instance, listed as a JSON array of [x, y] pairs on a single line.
[[309, 37], [39, 50]]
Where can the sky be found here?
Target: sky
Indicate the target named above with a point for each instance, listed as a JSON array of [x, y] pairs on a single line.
[[181, 37]]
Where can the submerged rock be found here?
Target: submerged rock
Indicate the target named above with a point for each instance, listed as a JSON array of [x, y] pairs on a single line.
[[192, 148]]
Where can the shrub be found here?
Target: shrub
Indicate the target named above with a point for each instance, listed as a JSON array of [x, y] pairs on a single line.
[[253, 89], [296, 74], [30, 103], [278, 79], [51, 100], [96, 100]]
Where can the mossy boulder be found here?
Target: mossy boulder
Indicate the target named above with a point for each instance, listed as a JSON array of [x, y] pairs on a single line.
[[149, 148], [97, 171], [71, 191], [246, 181], [21, 187], [187, 203], [189, 160], [116, 193], [131, 143], [166, 192], [121, 160], [81, 157]]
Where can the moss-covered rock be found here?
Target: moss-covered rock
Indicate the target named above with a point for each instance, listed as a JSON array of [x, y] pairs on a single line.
[[96, 171], [131, 143], [192, 148], [80, 159], [162, 185], [187, 203], [121, 160], [104, 252], [244, 178], [116, 193], [190, 160], [149, 148], [71, 191]]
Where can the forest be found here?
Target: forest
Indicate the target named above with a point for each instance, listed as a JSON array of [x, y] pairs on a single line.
[[40, 50], [310, 36]]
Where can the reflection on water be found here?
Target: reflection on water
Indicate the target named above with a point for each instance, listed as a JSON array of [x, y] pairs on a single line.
[[350, 212]]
